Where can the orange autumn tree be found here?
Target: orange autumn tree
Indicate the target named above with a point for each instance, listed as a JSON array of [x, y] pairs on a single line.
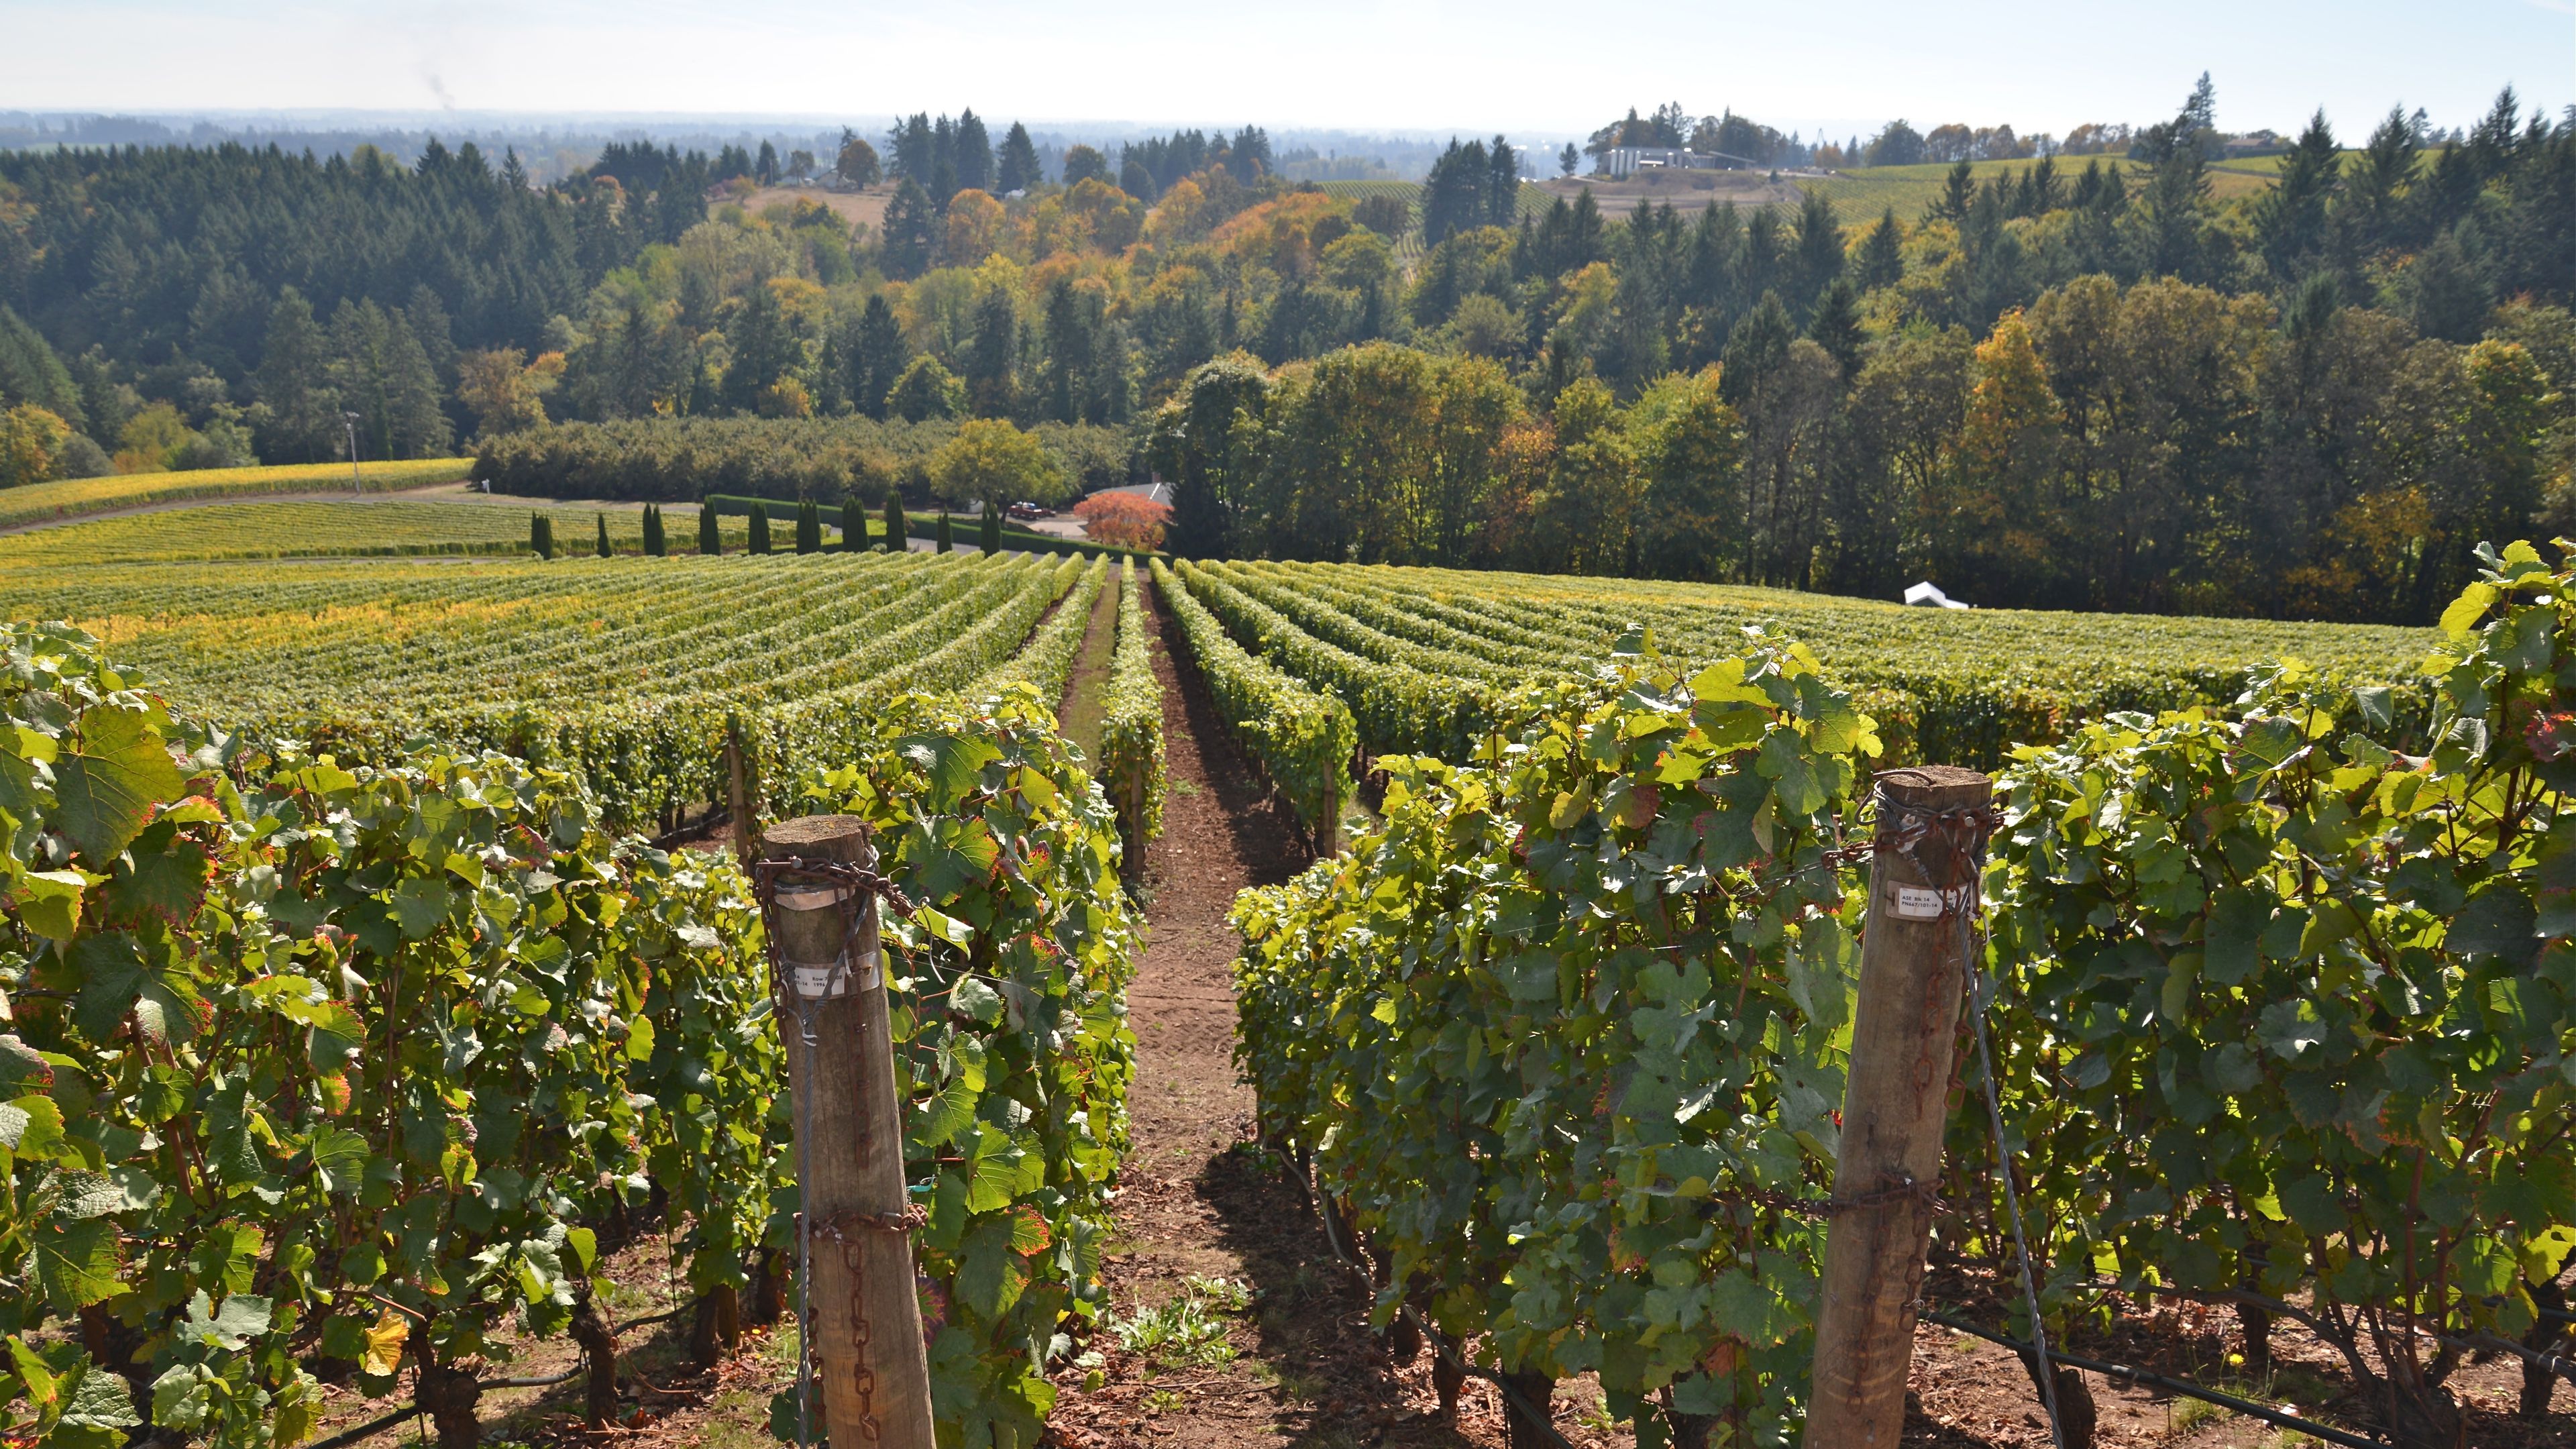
[[1128, 520]]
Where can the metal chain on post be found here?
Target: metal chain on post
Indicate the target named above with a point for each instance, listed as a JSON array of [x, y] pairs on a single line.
[[850, 886]]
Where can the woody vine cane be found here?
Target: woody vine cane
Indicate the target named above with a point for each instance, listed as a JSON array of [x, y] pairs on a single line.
[[857, 1301], [1915, 962]]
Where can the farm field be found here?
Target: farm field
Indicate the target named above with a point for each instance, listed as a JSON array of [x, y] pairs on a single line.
[[627, 667], [72, 497], [1424, 657], [341, 529], [1861, 193], [1267, 683]]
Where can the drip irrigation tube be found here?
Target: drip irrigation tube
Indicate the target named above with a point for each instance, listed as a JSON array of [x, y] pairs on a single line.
[[579, 1367], [372, 1426], [2187, 1389]]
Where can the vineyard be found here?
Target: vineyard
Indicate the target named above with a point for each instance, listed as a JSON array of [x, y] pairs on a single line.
[[72, 497], [622, 670], [2285, 1016], [1428, 661], [445, 1032], [353, 1024]]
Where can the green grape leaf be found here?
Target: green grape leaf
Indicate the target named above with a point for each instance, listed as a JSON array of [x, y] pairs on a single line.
[[105, 789]]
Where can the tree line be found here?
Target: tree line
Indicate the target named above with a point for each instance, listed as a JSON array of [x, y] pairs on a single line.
[[257, 297]]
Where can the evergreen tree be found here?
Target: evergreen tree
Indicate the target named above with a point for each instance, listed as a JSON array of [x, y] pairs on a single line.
[[759, 528], [656, 543], [1882, 253], [1135, 179], [1016, 168], [809, 527], [2290, 218], [1568, 159], [1248, 157], [1958, 190], [710, 532], [942, 182], [909, 143], [1835, 326], [992, 355], [874, 357], [765, 170], [604, 550], [2445, 297], [971, 153], [990, 534], [1755, 347], [945, 539], [1455, 197], [30, 373], [1502, 183], [1072, 326], [765, 350], [898, 531], [541, 535], [294, 380], [911, 235], [854, 525], [1820, 246], [381, 373]]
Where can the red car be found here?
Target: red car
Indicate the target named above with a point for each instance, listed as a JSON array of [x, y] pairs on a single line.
[[1025, 511]]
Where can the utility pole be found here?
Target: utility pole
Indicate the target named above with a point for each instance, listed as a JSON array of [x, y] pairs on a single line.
[[355, 484]]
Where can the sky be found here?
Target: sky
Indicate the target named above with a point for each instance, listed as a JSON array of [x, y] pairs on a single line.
[[1497, 65]]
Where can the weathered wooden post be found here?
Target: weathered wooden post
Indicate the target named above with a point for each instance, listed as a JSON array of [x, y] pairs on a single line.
[[863, 1317], [1913, 966], [746, 840]]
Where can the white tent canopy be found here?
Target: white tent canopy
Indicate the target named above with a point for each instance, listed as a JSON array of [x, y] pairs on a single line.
[[1928, 595]]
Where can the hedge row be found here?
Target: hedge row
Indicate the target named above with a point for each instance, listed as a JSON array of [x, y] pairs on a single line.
[[680, 460]]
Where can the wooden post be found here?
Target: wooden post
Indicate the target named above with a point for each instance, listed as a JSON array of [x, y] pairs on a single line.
[[868, 1347], [746, 840], [1913, 966]]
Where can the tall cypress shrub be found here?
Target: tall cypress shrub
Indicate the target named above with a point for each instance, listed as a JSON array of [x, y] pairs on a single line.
[[710, 532], [854, 526], [898, 529], [809, 527], [656, 543], [541, 535], [760, 528], [603, 534], [991, 532], [947, 537]]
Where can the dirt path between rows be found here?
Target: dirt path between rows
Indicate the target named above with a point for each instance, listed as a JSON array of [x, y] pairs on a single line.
[[1290, 1359]]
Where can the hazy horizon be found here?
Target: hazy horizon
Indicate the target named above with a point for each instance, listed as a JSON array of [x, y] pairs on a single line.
[[1340, 66]]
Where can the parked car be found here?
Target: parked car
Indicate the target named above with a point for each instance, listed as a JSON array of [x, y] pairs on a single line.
[[1025, 511]]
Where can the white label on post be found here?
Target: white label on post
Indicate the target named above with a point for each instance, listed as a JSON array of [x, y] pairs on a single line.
[[829, 979], [1917, 903]]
